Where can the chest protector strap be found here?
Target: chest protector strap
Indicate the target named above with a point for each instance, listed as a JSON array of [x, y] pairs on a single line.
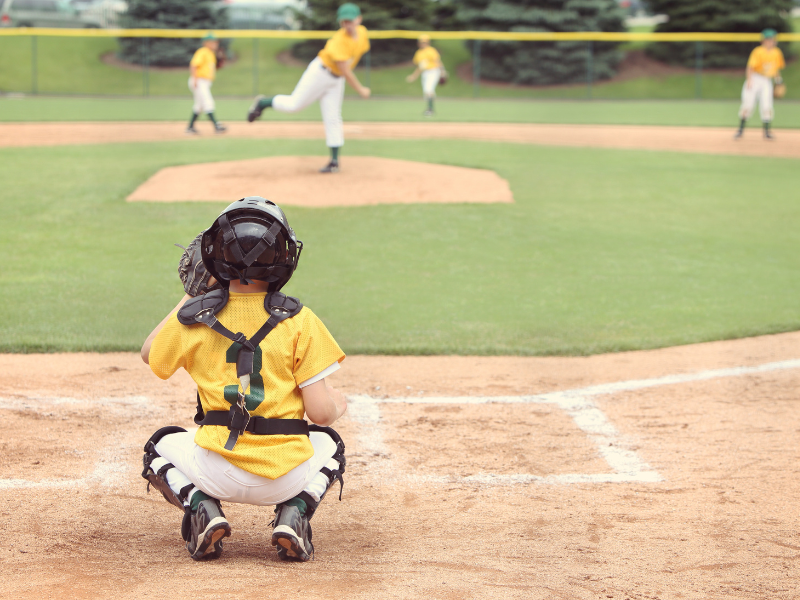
[[203, 310]]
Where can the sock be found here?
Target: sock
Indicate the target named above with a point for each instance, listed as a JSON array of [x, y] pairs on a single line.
[[741, 125], [430, 104], [300, 504], [265, 103], [335, 154], [193, 119], [766, 126], [197, 498], [213, 118]]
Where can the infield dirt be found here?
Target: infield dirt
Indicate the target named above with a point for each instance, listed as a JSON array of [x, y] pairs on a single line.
[[706, 140], [441, 508]]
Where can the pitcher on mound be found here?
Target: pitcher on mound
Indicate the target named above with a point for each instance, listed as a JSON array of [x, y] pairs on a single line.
[[324, 80], [763, 66]]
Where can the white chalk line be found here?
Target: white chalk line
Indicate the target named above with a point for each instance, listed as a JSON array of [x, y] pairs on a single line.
[[116, 459], [625, 463]]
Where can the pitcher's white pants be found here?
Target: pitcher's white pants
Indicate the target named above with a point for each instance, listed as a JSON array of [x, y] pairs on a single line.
[[220, 479], [430, 79], [203, 100], [760, 91], [317, 83]]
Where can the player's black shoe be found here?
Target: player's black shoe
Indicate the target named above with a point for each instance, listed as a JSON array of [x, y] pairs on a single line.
[[427, 113], [331, 167], [192, 131], [255, 110], [207, 527], [739, 133], [220, 128], [292, 534]]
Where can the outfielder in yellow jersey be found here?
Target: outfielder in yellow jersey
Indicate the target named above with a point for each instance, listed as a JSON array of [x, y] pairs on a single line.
[[260, 361], [324, 79], [430, 66], [202, 72], [763, 67]]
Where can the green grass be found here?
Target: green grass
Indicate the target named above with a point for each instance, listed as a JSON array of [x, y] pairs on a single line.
[[603, 250], [626, 112], [73, 66]]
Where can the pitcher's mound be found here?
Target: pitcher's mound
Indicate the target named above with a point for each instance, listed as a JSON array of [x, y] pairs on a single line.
[[295, 181]]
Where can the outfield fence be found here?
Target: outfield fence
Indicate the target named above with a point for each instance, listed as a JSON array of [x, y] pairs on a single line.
[[83, 62]]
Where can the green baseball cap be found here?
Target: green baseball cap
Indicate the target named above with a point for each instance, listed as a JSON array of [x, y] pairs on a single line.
[[769, 33], [348, 12], [209, 36]]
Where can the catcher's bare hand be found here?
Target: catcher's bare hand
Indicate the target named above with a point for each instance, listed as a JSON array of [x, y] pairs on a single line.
[[196, 280]]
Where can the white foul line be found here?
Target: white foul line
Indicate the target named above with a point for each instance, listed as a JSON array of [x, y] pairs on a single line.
[[625, 463]]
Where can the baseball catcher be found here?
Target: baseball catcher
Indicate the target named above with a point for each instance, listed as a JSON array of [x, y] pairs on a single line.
[[260, 361], [763, 66]]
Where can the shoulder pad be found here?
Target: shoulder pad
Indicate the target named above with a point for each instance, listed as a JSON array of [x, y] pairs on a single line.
[[206, 305], [281, 305]]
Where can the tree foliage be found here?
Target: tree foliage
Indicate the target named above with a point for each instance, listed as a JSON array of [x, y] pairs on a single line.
[[544, 63], [727, 16], [168, 14], [376, 14]]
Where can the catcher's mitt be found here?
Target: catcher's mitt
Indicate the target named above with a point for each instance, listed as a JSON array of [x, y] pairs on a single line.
[[192, 271], [442, 78], [779, 91], [221, 58]]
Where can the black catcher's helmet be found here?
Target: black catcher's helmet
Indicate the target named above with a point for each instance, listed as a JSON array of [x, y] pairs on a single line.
[[251, 239]]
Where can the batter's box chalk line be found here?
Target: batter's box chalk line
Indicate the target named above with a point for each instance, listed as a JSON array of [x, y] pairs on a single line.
[[626, 465]]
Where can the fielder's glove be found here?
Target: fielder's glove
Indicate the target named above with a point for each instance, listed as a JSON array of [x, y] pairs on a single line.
[[779, 91], [221, 58], [443, 78], [192, 271]]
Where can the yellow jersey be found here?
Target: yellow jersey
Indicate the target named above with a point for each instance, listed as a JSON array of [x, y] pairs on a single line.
[[297, 349], [427, 58], [341, 47], [205, 62], [766, 61]]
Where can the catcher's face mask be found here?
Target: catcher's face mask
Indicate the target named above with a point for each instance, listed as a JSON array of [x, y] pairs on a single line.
[[251, 240]]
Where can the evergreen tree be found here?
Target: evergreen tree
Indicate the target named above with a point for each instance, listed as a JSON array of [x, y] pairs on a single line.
[[727, 16], [376, 14], [543, 63], [168, 14]]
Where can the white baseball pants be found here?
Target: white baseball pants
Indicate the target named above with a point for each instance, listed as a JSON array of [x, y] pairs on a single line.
[[220, 479], [760, 91], [317, 83], [203, 100], [430, 79]]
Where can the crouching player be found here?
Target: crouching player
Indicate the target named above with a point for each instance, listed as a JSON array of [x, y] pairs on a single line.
[[259, 359]]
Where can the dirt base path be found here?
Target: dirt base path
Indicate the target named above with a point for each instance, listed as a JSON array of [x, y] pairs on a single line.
[[642, 475], [680, 139]]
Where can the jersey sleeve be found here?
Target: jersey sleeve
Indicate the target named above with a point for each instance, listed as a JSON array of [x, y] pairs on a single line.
[[337, 48], [166, 352], [316, 350], [417, 57], [197, 59], [781, 60], [754, 62]]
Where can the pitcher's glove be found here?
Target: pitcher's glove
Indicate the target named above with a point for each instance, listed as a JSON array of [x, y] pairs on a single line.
[[443, 78], [779, 91], [221, 58], [192, 271]]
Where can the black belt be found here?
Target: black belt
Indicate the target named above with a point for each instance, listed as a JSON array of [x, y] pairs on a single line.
[[328, 70], [255, 425]]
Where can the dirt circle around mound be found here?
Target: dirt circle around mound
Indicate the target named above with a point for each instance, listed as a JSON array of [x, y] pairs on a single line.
[[296, 180]]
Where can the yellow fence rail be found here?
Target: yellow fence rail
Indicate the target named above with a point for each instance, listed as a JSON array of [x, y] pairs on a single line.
[[524, 36]]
